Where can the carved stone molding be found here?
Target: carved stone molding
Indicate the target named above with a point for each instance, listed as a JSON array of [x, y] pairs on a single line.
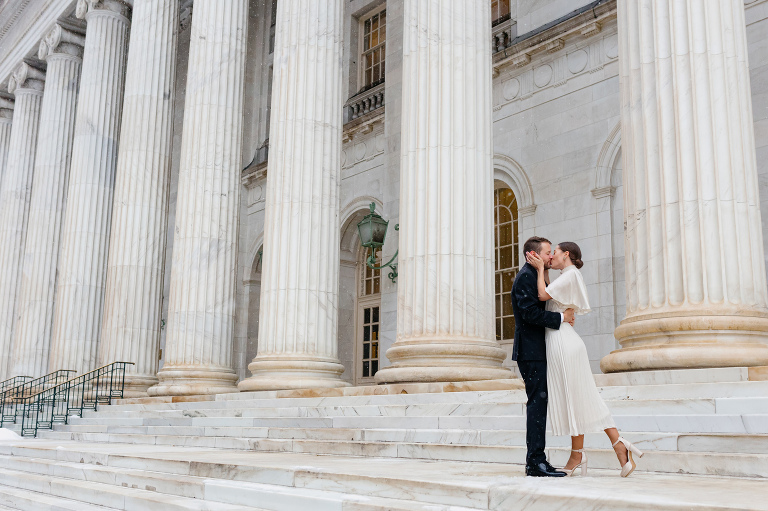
[[606, 191], [118, 7], [26, 77], [352, 130], [6, 108], [62, 41]]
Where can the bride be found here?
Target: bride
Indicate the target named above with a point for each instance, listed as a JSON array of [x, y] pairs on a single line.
[[575, 406]]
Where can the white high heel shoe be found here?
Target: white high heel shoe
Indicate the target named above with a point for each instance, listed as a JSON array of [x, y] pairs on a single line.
[[629, 466], [582, 464]]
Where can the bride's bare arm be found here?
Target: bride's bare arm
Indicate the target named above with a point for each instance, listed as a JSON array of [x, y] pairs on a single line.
[[535, 261]]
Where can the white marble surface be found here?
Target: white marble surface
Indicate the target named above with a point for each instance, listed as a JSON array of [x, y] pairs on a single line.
[[201, 306], [62, 50], [298, 316], [690, 193], [6, 121], [445, 301], [85, 234], [136, 264], [27, 86]]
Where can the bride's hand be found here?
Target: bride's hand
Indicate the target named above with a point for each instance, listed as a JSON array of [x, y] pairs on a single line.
[[535, 260]]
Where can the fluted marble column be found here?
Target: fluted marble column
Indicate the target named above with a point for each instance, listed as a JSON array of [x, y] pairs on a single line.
[[696, 285], [27, 85], [298, 314], [201, 307], [6, 121], [63, 51], [445, 296], [133, 304], [85, 235]]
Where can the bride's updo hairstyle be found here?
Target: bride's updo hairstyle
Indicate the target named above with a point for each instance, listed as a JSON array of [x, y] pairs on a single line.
[[574, 252]]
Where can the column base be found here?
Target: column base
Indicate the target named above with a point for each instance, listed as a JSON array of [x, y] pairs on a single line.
[[136, 385], [193, 380], [441, 360], [685, 341], [279, 372]]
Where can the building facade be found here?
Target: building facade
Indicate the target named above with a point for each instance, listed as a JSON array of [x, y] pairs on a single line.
[[182, 183]]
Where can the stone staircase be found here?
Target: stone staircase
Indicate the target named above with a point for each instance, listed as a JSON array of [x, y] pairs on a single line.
[[398, 447]]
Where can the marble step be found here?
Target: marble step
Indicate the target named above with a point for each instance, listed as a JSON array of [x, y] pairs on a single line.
[[217, 437], [729, 406], [26, 500], [109, 496], [650, 392], [283, 482], [688, 461], [268, 496], [755, 424]]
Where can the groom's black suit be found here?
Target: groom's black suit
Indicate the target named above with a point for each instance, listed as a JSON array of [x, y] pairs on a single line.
[[530, 352]]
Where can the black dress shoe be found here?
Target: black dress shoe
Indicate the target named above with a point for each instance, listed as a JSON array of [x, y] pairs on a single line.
[[543, 469]]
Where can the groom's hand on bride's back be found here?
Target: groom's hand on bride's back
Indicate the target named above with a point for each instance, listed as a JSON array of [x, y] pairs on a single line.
[[569, 317]]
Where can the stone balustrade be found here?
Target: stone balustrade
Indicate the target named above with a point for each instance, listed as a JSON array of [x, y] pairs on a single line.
[[364, 103]]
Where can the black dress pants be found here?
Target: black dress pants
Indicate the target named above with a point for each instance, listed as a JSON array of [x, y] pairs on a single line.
[[534, 373]]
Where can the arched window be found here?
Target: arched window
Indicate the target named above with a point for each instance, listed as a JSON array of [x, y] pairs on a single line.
[[506, 251], [368, 320]]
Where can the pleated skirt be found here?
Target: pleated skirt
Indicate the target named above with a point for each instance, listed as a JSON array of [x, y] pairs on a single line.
[[575, 406]]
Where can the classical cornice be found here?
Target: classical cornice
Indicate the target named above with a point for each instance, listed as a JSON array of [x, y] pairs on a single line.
[[553, 37]]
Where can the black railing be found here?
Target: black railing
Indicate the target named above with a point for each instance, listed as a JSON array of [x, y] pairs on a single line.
[[85, 392], [13, 382], [9, 409]]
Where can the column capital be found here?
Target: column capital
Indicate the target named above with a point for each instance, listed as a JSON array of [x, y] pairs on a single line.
[[61, 41], [118, 7], [26, 77]]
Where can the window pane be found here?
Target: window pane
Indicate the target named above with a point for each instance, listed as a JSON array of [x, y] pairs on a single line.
[[506, 258], [506, 300], [374, 38], [507, 279], [498, 330], [366, 370], [504, 216], [498, 283], [367, 27], [509, 327], [374, 367], [375, 333], [374, 350], [366, 334], [375, 314], [367, 287], [374, 23], [366, 350], [505, 234], [376, 286], [368, 77], [367, 316]]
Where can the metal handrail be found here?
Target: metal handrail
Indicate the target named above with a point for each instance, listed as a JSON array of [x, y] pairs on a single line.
[[84, 392], [9, 410], [13, 382]]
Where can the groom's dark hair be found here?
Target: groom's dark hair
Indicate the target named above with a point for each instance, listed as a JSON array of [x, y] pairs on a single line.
[[534, 244]]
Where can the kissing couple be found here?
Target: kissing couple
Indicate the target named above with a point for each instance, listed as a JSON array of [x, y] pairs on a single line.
[[553, 360]]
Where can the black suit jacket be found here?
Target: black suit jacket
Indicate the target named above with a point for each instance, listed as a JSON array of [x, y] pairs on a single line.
[[530, 317]]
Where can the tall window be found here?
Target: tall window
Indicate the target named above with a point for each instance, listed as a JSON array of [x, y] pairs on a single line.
[[499, 11], [368, 320], [374, 30], [506, 240]]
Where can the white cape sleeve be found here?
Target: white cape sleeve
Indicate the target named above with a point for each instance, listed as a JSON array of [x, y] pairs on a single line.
[[569, 291]]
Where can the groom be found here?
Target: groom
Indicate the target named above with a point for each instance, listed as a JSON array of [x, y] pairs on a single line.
[[530, 352]]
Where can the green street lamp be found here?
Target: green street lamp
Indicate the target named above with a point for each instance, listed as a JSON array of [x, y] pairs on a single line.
[[372, 231]]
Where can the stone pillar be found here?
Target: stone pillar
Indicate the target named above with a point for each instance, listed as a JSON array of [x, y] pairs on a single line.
[[27, 85], [133, 304], [298, 316], [201, 306], [696, 285], [445, 329], [6, 121], [85, 235], [63, 51]]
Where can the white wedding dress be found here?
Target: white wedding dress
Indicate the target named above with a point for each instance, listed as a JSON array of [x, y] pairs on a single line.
[[575, 406]]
